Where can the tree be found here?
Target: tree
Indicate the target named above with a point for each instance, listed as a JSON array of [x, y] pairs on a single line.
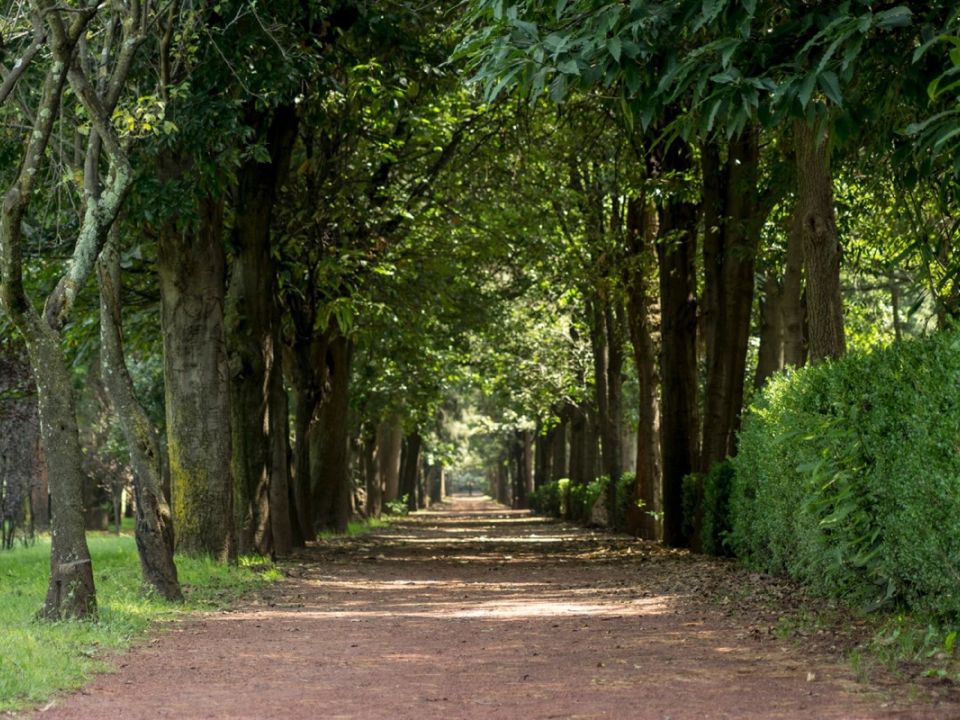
[[71, 592]]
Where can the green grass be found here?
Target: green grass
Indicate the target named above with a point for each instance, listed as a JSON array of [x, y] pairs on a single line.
[[38, 659], [357, 527]]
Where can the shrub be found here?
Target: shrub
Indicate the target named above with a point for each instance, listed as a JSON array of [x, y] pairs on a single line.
[[584, 497], [848, 477], [550, 499], [562, 500], [716, 508]]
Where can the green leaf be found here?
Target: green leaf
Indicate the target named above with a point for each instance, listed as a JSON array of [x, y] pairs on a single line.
[[614, 47], [831, 87], [899, 16], [726, 77], [569, 67], [806, 89]]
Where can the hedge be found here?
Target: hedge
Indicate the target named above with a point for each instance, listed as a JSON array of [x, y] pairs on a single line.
[[848, 477]]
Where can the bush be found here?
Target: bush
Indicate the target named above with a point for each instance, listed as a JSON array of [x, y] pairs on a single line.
[[716, 508], [706, 501], [848, 477], [551, 499], [560, 499], [584, 497]]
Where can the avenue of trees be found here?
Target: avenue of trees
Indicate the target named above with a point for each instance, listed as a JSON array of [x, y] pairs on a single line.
[[285, 264]]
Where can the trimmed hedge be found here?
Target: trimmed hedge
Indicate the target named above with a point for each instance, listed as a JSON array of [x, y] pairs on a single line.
[[848, 477]]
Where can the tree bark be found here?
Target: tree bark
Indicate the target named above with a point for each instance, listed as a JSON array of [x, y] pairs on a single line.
[[642, 229], [282, 517], [389, 445], [330, 474], [410, 469], [821, 246], [581, 458], [192, 275], [559, 467], [676, 250], [154, 525], [794, 336], [372, 482], [733, 221], [70, 592], [523, 467], [770, 355], [303, 360], [252, 324]]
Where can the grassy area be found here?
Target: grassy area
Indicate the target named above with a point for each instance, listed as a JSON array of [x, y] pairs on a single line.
[[37, 659]]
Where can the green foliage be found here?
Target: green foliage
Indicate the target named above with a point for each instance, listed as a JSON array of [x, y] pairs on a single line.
[[363, 527], [547, 500], [400, 506], [560, 499], [716, 508], [584, 497], [848, 477], [38, 659], [706, 507], [928, 645]]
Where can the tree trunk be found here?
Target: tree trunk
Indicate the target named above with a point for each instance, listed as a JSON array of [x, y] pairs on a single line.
[[371, 478], [676, 250], [154, 524], [642, 229], [581, 459], [304, 358], [559, 467], [522, 458], [794, 336], [191, 268], [436, 483], [71, 592], [330, 480], [770, 355], [730, 247], [252, 320], [542, 469], [821, 246], [278, 418], [389, 445], [410, 469]]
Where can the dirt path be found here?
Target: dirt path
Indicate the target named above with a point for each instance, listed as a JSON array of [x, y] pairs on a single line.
[[475, 611]]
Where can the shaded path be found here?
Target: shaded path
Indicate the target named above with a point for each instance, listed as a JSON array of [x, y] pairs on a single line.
[[475, 611]]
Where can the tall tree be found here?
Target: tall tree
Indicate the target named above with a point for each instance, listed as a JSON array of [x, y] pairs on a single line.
[[71, 590]]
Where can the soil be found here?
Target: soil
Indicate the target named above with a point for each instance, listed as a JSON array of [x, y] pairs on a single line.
[[476, 611]]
